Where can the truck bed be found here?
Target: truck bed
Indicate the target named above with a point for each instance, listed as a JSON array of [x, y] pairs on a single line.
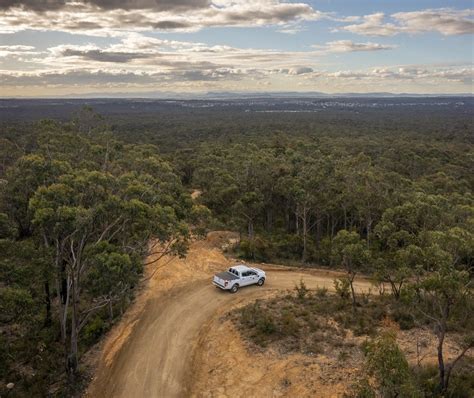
[[226, 276]]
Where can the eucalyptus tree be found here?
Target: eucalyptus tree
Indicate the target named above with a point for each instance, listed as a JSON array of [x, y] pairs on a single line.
[[98, 223], [445, 299], [350, 251]]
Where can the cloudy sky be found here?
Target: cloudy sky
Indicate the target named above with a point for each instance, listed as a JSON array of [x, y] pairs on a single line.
[[64, 47]]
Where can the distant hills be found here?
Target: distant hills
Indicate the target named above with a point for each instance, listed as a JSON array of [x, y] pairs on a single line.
[[229, 95]]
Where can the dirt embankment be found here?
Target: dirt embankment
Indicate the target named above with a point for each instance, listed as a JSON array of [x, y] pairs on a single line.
[[173, 341]]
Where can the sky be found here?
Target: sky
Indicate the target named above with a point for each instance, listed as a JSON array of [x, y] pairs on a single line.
[[108, 47]]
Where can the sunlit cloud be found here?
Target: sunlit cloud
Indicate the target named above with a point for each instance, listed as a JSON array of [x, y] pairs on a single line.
[[96, 17], [445, 21]]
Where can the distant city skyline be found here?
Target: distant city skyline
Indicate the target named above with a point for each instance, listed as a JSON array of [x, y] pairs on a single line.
[[82, 47]]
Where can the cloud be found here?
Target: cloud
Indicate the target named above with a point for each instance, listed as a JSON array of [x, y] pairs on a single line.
[[410, 73], [73, 78], [343, 46], [302, 70], [17, 47], [141, 52], [103, 56], [389, 78], [123, 78], [102, 17], [16, 50], [445, 21], [37, 5], [159, 5]]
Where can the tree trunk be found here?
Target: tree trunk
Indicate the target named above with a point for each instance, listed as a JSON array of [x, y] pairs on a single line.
[[47, 300], [72, 357], [64, 287], [441, 367], [297, 223], [250, 229], [305, 233], [111, 310], [396, 290], [369, 228], [269, 219], [352, 275], [63, 305], [441, 333]]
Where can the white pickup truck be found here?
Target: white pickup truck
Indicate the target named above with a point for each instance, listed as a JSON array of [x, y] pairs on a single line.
[[238, 276]]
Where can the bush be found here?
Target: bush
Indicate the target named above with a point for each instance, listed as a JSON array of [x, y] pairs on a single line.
[[301, 290], [289, 324], [461, 384], [389, 367], [362, 389], [254, 317], [403, 317], [257, 249], [321, 292], [342, 287], [94, 329], [288, 246]]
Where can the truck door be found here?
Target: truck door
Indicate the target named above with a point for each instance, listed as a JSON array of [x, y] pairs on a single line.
[[246, 279], [253, 277]]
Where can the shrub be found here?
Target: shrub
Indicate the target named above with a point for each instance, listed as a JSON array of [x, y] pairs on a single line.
[[362, 389], [321, 292], [94, 329], [266, 325], [342, 287], [301, 290], [388, 365], [289, 324], [403, 317], [257, 249]]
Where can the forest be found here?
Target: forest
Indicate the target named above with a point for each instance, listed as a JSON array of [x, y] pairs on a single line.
[[85, 198]]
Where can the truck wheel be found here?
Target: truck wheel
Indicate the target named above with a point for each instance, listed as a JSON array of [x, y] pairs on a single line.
[[234, 288], [261, 281]]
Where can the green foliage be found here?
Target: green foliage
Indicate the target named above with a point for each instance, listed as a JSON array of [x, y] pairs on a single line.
[[388, 365], [15, 304], [362, 389], [349, 250], [7, 227], [301, 290], [389, 195], [77, 216], [342, 288], [94, 329], [257, 249]]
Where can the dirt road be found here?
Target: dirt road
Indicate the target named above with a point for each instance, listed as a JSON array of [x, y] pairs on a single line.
[[152, 352]]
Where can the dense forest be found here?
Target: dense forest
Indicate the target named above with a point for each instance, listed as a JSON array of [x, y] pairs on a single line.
[[384, 191]]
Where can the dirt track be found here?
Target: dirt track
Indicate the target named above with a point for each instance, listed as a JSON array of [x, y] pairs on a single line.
[[153, 351]]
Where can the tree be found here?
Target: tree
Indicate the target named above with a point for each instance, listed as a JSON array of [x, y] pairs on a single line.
[[249, 207], [445, 298], [349, 251], [29, 173], [76, 217]]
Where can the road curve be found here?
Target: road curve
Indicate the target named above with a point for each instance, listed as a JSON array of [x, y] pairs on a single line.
[[157, 358]]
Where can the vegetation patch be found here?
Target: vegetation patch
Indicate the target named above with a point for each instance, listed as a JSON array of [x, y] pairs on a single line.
[[310, 322]]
